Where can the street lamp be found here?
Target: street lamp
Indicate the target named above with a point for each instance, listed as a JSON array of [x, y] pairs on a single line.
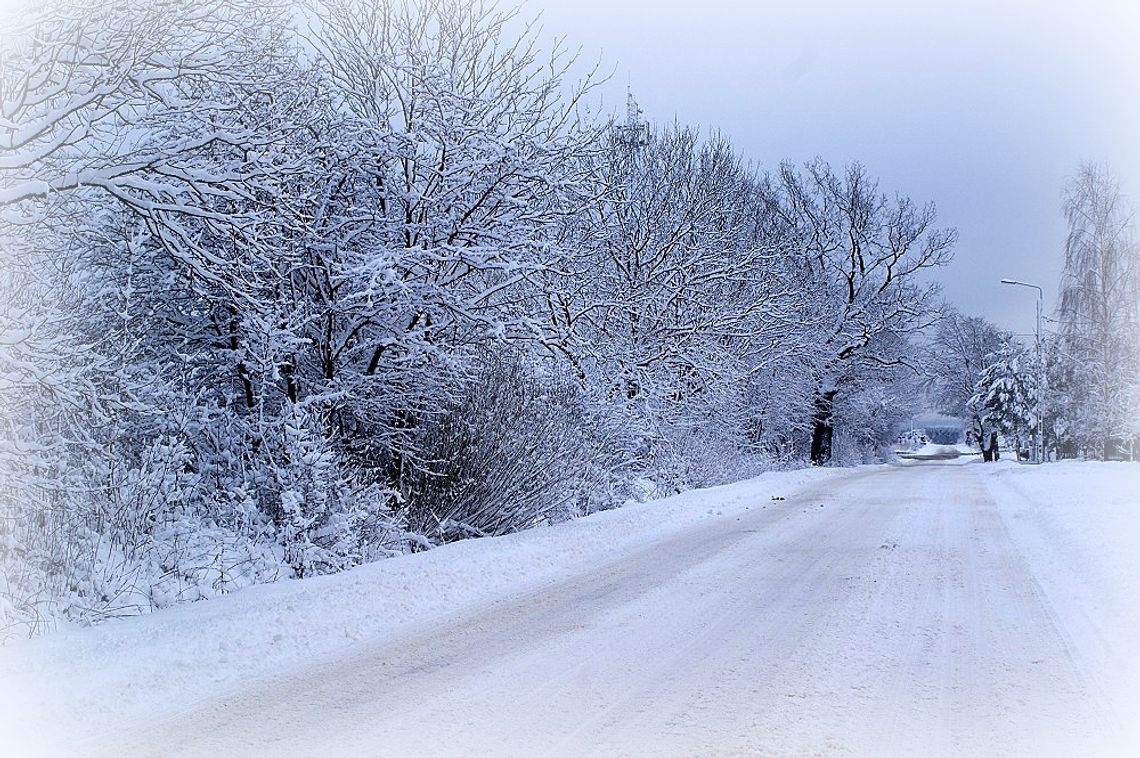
[[1038, 454]]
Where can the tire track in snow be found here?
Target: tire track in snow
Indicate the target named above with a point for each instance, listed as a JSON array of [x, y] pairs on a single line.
[[753, 609]]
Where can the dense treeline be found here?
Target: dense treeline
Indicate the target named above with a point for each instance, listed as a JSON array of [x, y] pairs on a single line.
[[289, 288]]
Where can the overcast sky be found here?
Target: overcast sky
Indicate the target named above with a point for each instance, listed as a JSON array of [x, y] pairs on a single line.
[[985, 108]]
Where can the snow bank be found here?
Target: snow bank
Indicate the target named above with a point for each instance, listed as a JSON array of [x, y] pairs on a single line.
[[1086, 514], [1080, 522], [80, 680]]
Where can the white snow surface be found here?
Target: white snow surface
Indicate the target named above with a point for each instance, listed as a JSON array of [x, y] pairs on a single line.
[[917, 609], [931, 451]]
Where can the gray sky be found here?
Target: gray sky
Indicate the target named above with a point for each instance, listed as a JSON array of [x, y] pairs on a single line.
[[984, 108]]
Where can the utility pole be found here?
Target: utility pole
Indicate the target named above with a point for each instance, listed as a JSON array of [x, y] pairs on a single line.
[[1039, 443]]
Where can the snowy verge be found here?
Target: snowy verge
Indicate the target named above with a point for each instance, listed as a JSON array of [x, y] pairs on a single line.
[[1083, 514], [79, 681], [1078, 523]]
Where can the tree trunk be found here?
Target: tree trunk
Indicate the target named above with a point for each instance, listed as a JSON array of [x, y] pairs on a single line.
[[397, 462], [822, 429]]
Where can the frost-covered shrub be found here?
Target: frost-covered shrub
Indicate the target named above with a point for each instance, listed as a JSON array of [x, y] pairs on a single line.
[[512, 450], [169, 503], [119, 530], [54, 404], [702, 455], [325, 518]]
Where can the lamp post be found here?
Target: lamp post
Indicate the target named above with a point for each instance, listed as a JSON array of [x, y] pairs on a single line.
[[1039, 448]]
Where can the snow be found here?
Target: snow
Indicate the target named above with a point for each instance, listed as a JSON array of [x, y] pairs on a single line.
[[160, 664], [1079, 525], [916, 609], [933, 452]]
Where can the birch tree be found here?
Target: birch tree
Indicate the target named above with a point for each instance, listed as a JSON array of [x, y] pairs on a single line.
[[1099, 309]]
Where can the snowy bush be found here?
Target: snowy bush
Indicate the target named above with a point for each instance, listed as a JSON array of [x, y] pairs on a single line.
[[705, 457], [513, 450], [323, 518]]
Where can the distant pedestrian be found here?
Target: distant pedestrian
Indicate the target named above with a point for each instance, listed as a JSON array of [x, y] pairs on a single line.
[[994, 452]]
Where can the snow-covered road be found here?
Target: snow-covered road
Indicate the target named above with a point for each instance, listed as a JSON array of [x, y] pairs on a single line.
[[929, 609]]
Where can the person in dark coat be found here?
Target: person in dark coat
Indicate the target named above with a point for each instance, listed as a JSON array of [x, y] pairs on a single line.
[[995, 455]]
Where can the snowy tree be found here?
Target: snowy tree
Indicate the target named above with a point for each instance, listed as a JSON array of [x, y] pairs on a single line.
[[1099, 310], [1005, 395], [677, 300], [146, 151], [453, 156], [961, 348], [860, 256]]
